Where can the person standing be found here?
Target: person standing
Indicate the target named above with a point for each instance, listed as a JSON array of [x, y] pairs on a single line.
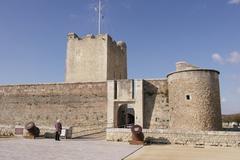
[[58, 127]]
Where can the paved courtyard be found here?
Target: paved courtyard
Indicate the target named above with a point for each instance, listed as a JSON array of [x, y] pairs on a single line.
[[48, 149], [98, 149], [173, 152]]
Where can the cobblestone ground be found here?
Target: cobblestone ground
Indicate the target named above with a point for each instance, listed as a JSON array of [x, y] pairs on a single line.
[[48, 149]]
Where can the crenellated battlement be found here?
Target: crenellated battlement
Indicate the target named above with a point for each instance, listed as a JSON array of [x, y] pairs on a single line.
[[120, 44], [72, 35]]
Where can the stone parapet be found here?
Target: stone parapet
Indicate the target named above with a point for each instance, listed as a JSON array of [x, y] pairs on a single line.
[[6, 131], [201, 138]]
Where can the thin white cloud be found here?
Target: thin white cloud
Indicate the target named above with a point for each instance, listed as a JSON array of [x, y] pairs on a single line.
[[217, 58], [234, 58], [234, 2]]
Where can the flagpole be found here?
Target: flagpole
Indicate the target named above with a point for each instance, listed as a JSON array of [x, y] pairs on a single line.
[[99, 16]]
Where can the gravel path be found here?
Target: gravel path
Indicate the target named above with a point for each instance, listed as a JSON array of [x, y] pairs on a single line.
[[48, 149]]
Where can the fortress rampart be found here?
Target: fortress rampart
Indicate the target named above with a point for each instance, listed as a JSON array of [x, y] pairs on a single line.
[[74, 103]]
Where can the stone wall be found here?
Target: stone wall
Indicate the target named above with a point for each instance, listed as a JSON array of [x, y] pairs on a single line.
[[95, 58], [121, 94], [182, 65], [194, 99], [201, 138], [76, 104], [116, 60], [78, 131], [124, 89], [86, 58], [6, 130], [156, 108]]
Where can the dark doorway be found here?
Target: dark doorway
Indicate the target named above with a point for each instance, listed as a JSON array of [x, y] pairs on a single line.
[[126, 116]]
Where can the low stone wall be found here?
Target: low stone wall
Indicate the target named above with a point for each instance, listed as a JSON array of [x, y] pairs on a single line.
[[7, 131], [49, 132], [201, 138], [78, 131], [43, 130]]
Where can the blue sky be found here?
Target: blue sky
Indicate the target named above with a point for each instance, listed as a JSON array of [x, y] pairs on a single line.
[[158, 33]]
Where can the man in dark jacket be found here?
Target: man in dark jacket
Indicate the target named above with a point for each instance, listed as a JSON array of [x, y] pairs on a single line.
[[58, 127]]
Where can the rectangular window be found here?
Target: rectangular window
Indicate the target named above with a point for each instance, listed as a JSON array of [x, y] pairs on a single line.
[[133, 89], [188, 97], [115, 89]]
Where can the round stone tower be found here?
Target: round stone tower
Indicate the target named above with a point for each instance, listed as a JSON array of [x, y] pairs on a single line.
[[194, 98]]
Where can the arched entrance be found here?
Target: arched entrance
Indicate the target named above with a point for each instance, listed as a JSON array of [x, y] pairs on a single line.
[[126, 116]]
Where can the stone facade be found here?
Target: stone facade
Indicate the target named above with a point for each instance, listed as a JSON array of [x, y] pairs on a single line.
[[95, 58], [182, 65], [7, 131], [76, 104], [188, 99], [156, 105], [194, 98], [124, 94]]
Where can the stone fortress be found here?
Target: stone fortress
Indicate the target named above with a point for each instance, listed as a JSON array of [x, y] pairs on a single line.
[[183, 108]]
